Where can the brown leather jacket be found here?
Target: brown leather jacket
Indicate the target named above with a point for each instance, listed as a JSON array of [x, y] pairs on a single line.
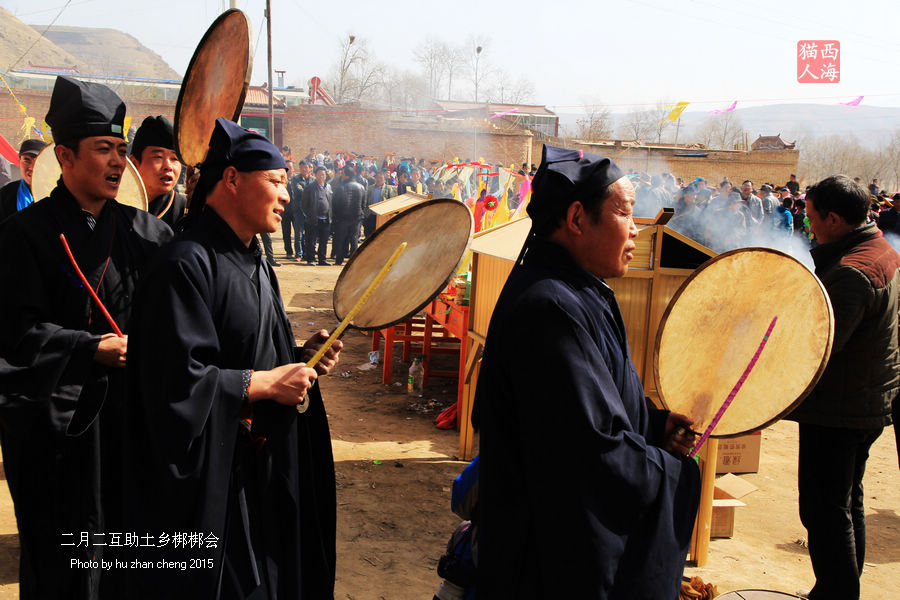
[[861, 273]]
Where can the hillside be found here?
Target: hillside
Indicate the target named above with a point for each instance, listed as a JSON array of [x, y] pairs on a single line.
[[110, 52], [89, 50], [16, 37]]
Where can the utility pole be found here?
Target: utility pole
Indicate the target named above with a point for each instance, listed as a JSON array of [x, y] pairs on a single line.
[[269, 47], [477, 58]]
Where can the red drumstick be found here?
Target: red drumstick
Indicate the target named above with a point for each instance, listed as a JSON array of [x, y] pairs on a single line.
[[84, 281]]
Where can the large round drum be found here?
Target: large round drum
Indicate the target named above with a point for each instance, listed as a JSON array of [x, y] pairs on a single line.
[[715, 325], [215, 84], [47, 172], [437, 233]]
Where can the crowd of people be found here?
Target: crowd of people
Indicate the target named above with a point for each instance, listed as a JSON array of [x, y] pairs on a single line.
[[156, 411], [729, 216]]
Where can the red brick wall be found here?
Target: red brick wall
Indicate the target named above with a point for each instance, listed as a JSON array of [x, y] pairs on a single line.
[[374, 133], [38, 101]]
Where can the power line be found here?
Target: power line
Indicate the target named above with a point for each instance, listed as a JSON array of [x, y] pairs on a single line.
[[40, 37]]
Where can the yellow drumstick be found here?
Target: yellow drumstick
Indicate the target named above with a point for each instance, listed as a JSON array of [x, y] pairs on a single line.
[[356, 308]]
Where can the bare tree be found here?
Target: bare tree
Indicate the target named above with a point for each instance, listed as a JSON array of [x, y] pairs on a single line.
[[405, 90], [720, 131], [841, 154], [479, 66], [432, 57], [595, 126], [356, 74], [637, 125], [506, 91], [453, 63], [658, 117]]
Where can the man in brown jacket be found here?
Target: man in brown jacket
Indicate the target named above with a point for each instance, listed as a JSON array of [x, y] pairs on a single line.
[[851, 404]]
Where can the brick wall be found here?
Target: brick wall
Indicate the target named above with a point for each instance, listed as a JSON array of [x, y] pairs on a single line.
[[38, 101], [759, 166], [374, 133], [347, 128]]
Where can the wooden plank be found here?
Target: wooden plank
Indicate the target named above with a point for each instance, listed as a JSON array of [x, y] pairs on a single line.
[[503, 242], [700, 541], [397, 203]]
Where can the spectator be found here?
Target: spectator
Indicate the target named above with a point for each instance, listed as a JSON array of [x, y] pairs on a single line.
[[16, 195], [753, 209], [851, 404], [348, 207], [793, 185], [316, 205]]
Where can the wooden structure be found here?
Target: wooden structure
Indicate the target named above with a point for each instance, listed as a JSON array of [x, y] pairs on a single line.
[[663, 260], [391, 207]]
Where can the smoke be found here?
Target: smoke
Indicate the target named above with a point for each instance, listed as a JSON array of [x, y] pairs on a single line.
[[726, 228]]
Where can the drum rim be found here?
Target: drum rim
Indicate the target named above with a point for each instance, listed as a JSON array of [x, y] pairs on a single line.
[[375, 235], [816, 376], [129, 166], [201, 47]]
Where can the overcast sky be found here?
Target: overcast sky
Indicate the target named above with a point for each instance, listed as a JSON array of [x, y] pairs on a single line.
[[620, 54]]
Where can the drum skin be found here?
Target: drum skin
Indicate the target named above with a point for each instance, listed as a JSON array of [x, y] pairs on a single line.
[[215, 85], [437, 233], [47, 172], [715, 324]]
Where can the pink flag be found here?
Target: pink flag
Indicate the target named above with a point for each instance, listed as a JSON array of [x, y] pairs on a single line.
[[503, 114], [722, 111], [852, 102]]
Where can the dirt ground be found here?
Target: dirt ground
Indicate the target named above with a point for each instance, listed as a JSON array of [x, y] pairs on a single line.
[[395, 470]]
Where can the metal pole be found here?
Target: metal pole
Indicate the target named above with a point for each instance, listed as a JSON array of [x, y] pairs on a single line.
[[269, 36]]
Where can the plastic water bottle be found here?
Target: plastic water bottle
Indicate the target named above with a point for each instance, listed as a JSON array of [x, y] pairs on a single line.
[[416, 377]]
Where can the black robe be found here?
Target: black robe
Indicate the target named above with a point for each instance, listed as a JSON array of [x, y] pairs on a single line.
[[208, 310], [169, 214], [60, 451], [576, 500]]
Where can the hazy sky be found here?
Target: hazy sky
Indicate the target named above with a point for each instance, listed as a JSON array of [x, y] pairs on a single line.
[[621, 54]]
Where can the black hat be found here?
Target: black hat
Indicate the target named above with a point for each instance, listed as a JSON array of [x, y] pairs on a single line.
[[80, 109], [233, 146], [564, 177], [230, 145], [154, 131], [32, 147]]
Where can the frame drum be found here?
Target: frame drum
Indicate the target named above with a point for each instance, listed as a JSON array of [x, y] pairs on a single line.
[[714, 325], [215, 85], [437, 233], [47, 173]]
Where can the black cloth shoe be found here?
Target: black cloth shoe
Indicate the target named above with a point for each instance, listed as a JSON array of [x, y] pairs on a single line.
[[273, 262], [324, 263]]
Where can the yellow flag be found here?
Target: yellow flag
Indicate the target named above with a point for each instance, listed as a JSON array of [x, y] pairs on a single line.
[[27, 126], [127, 126], [676, 111]]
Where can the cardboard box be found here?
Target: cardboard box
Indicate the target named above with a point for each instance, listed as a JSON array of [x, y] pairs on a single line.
[[739, 455], [729, 488]]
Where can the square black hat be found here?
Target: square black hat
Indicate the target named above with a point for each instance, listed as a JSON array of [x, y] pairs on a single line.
[[80, 109], [564, 177], [245, 150], [154, 131]]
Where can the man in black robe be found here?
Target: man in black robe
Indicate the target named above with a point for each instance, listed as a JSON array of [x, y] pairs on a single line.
[[153, 153], [222, 450], [60, 450], [580, 493]]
